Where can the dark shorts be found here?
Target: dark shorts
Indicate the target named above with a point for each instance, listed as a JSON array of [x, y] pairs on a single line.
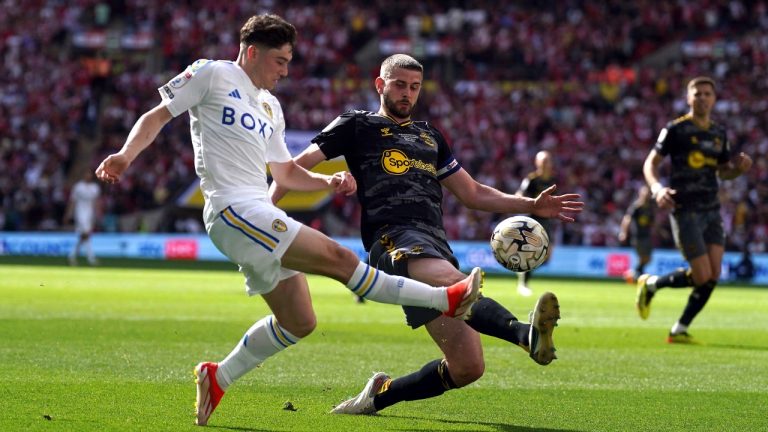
[[693, 231], [643, 245], [390, 253]]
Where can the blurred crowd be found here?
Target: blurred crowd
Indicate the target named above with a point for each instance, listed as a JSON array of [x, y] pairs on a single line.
[[591, 81]]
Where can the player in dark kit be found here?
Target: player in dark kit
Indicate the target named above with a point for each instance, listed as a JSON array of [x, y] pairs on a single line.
[[636, 227], [700, 153], [401, 166], [534, 184]]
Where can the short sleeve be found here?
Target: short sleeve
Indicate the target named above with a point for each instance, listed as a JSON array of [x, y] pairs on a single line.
[[337, 135], [188, 88], [662, 142], [446, 162]]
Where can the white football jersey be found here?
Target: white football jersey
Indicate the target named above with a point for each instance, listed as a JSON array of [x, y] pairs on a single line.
[[84, 195], [236, 130]]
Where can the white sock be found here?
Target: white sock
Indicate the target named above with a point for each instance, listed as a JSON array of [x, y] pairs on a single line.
[[678, 328], [651, 283], [263, 340], [381, 287], [89, 251], [76, 250]]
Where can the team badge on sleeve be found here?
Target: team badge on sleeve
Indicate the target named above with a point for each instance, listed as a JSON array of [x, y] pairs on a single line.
[[197, 65], [181, 80]]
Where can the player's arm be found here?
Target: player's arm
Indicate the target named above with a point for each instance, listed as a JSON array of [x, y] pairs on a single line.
[[624, 228], [141, 136], [478, 196], [663, 195], [291, 176], [308, 159], [735, 167]]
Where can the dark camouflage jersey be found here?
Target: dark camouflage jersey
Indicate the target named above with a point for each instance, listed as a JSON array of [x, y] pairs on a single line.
[[534, 184], [398, 168], [641, 219], [695, 154]]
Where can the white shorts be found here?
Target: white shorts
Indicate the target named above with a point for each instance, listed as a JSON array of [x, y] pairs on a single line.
[[254, 235], [84, 223]]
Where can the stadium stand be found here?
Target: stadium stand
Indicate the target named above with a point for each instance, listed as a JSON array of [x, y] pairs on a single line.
[[592, 81]]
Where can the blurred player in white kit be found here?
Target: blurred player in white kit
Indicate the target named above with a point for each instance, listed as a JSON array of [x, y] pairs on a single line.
[[82, 208]]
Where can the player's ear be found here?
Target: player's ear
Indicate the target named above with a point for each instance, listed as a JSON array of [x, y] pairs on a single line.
[[253, 52], [379, 84]]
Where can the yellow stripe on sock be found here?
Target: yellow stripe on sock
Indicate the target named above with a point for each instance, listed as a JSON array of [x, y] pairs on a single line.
[[279, 333], [367, 284]]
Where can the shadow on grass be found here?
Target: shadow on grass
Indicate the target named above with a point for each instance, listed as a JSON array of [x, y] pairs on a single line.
[[240, 428], [473, 425], [737, 347]]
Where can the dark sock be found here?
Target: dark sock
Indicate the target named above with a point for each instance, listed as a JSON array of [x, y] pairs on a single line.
[[526, 277], [640, 269], [696, 301], [432, 380], [492, 319], [679, 278]]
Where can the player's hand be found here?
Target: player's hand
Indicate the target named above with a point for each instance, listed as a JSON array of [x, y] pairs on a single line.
[[344, 183], [111, 168], [665, 198], [557, 206], [622, 237], [742, 162]]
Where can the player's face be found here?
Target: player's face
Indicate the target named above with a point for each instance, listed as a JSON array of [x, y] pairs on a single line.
[[271, 66], [544, 163], [701, 99], [400, 93]]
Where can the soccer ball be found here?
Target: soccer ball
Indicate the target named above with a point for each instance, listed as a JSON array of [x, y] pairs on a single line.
[[520, 244]]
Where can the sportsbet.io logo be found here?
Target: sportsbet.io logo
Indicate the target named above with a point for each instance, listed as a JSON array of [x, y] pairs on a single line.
[[397, 163], [698, 160]]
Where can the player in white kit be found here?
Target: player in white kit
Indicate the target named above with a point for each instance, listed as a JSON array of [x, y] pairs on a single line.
[[237, 128], [82, 208]]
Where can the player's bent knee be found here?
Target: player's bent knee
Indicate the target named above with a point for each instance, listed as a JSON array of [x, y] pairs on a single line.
[[466, 373], [340, 256], [301, 326], [305, 329]]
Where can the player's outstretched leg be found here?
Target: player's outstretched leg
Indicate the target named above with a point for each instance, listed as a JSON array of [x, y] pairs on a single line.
[[543, 322], [208, 392], [313, 252], [462, 295], [363, 402]]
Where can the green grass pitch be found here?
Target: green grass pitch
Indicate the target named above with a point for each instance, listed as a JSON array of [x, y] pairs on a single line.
[[97, 349]]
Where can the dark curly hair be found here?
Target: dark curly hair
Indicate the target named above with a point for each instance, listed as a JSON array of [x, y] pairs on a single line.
[[268, 30]]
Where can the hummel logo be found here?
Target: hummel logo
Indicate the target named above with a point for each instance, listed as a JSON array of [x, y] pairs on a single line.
[[235, 94]]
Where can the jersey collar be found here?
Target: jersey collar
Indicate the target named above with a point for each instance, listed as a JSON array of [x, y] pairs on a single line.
[[405, 123]]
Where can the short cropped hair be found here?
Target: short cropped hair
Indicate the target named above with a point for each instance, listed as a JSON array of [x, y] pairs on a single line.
[[701, 80], [268, 30], [399, 61]]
